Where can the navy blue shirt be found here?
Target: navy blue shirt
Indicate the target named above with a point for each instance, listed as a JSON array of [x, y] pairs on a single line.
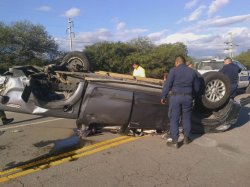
[[181, 80], [231, 71]]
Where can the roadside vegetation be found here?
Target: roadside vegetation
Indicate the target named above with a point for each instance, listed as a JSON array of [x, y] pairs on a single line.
[[24, 43], [119, 57], [244, 58]]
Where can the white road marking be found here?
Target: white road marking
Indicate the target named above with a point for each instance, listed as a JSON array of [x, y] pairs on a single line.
[[17, 126]]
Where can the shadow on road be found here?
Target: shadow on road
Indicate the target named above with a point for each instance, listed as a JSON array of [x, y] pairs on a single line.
[[243, 117], [58, 149]]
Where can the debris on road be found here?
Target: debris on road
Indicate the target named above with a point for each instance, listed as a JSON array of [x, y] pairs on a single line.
[[16, 131]]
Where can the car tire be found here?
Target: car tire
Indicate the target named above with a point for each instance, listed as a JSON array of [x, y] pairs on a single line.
[[210, 121], [217, 90], [76, 61], [248, 89]]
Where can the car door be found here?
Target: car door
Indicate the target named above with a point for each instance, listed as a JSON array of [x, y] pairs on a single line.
[[148, 112]]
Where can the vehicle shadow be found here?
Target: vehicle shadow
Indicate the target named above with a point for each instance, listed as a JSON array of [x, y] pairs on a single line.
[[58, 150], [243, 118], [193, 135]]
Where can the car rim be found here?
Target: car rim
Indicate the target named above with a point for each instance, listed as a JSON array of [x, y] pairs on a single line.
[[215, 90], [75, 64]]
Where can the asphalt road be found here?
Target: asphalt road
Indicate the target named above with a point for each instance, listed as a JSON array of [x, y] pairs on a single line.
[[38, 151]]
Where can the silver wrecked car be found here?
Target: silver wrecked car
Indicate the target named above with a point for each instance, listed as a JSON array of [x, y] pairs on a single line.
[[107, 99]]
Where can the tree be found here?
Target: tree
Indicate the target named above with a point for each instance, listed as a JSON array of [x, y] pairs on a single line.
[[142, 45], [244, 58], [159, 59], [109, 56], [23, 43], [119, 57]]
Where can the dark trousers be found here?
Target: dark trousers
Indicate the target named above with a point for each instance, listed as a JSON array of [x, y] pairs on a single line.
[[233, 90], [180, 106]]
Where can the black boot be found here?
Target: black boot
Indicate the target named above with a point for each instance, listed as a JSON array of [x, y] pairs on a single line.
[[187, 140], [174, 144], [7, 121]]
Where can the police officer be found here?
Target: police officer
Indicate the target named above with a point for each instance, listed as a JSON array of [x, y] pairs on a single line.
[[182, 82], [232, 71]]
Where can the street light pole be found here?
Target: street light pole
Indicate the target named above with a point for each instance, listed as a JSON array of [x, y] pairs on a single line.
[[69, 31], [230, 45]]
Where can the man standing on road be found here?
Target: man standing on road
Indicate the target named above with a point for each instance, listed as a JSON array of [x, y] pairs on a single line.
[[5, 120], [182, 81], [232, 71], [138, 70]]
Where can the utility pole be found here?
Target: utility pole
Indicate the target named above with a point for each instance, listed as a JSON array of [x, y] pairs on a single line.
[[70, 32], [230, 45]]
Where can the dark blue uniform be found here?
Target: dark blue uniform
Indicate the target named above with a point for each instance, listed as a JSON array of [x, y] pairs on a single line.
[[232, 72], [183, 82]]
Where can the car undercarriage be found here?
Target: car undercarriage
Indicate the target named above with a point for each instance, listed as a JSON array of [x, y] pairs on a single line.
[[102, 98]]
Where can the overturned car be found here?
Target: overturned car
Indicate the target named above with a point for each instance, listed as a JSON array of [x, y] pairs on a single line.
[[110, 99]]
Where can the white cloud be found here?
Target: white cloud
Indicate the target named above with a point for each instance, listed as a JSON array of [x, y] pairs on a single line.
[[191, 4], [204, 38], [44, 8], [182, 37], [208, 42], [129, 34], [196, 14], [120, 26], [73, 12], [220, 22], [216, 5], [157, 36], [198, 44], [121, 33], [212, 44], [101, 34]]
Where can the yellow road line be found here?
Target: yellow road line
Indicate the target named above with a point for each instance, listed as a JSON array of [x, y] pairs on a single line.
[[62, 155], [67, 159]]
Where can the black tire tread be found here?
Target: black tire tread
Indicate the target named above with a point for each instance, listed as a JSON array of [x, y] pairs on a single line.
[[76, 54], [219, 104]]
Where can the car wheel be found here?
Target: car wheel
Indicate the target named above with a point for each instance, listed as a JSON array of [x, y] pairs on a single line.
[[76, 61], [217, 90]]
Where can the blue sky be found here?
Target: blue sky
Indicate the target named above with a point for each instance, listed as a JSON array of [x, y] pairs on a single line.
[[202, 25]]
